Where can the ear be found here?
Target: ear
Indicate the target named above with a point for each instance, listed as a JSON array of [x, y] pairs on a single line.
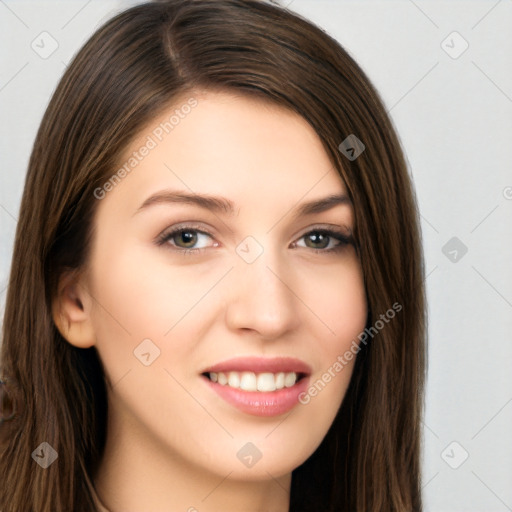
[[71, 311]]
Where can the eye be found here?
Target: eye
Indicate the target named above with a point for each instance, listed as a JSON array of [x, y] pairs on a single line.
[[189, 239], [186, 239], [324, 240]]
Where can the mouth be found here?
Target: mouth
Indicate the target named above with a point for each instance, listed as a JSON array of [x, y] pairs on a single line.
[[259, 386]]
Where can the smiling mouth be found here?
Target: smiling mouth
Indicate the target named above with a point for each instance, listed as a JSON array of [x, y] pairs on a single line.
[[251, 381]]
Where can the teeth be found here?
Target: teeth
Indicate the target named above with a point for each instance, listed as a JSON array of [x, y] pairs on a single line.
[[289, 379], [266, 382], [280, 378], [233, 380], [250, 381]]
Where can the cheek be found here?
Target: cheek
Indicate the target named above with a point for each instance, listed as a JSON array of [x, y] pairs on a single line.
[[343, 309], [348, 309], [339, 300], [130, 307], [141, 297]]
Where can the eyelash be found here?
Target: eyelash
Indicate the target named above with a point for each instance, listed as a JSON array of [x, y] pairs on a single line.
[[165, 237]]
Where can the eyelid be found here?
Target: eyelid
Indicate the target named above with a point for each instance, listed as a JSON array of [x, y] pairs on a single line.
[[344, 231]]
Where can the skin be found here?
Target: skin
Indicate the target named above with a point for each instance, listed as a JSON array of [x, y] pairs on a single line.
[[172, 441]]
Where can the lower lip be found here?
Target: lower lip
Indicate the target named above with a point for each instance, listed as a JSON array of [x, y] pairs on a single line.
[[258, 403]]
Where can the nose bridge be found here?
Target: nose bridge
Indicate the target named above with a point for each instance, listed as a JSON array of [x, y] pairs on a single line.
[[260, 297]]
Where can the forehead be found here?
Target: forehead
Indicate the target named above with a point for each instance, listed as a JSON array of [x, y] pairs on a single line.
[[222, 143]]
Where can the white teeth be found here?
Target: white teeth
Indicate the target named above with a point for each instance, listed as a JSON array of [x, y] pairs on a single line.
[[266, 382], [289, 379], [250, 381], [233, 380], [280, 380]]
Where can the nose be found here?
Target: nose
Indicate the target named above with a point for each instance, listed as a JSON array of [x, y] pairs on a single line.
[[261, 298]]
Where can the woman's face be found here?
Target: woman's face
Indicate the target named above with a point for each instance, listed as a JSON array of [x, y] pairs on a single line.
[[245, 293]]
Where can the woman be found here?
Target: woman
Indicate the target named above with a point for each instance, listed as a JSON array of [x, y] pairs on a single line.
[[216, 297]]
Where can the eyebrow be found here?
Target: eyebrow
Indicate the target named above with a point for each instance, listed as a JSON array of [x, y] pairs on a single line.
[[222, 205]]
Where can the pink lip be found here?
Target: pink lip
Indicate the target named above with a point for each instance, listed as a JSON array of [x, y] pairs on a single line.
[[260, 365], [259, 403]]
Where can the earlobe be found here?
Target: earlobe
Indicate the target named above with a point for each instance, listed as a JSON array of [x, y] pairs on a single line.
[[71, 311]]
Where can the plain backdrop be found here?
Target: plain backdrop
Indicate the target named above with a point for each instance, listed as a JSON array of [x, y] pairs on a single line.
[[444, 71]]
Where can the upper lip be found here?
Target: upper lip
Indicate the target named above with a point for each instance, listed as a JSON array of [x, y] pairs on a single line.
[[260, 365]]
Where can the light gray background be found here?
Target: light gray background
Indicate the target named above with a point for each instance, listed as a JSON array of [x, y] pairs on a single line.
[[454, 119]]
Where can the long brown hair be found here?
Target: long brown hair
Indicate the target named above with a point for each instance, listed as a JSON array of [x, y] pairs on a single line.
[[132, 68]]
